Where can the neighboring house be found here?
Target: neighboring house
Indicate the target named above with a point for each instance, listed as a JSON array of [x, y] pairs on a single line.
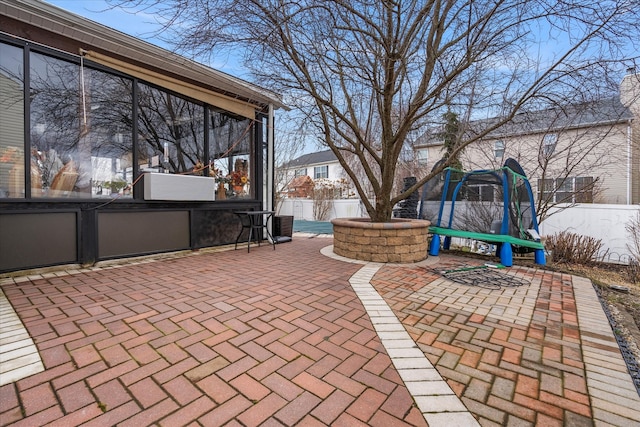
[[90, 115], [584, 153], [318, 165], [321, 166]]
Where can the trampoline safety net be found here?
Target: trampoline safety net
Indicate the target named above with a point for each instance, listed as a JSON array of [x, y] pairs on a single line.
[[498, 201]]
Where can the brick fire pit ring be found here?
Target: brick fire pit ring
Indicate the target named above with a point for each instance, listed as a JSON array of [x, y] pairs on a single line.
[[400, 240]]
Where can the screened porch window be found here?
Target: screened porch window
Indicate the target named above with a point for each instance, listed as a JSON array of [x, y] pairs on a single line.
[[171, 132], [81, 130], [231, 151], [12, 119]]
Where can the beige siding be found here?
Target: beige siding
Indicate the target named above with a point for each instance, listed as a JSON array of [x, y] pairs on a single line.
[[595, 152]]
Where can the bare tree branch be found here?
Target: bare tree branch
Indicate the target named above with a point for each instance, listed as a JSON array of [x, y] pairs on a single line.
[[369, 73]]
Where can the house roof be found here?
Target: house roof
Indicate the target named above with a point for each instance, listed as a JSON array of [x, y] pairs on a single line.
[[325, 156], [51, 18], [602, 112]]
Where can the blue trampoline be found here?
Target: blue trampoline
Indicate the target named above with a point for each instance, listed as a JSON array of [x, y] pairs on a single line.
[[494, 206]]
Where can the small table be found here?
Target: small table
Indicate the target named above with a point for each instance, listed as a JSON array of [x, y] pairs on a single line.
[[252, 220]]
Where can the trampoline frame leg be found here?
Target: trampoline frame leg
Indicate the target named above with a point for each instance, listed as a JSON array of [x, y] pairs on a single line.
[[434, 246], [506, 255], [539, 257]]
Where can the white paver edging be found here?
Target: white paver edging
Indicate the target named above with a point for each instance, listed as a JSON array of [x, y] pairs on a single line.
[[19, 356], [439, 405], [614, 398]]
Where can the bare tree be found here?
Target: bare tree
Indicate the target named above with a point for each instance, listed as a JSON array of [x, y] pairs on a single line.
[[289, 144], [369, 73]]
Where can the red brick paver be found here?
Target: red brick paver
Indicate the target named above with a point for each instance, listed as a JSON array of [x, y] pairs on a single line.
[[280, 338], [274, 337], [527, 373]]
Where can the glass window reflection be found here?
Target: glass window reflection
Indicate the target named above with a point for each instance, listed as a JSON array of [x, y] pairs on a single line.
[[12, 175], [81, 127], [109, 131], [81, 134], [171, 132], [230, 150]]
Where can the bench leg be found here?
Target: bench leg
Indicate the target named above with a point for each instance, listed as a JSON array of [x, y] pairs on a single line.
[[506, 255], [434, 247]]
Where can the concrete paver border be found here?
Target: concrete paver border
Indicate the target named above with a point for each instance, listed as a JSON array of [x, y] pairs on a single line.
[[614, 398]]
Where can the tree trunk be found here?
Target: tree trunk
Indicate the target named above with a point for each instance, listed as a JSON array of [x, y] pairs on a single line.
[[383, 210]]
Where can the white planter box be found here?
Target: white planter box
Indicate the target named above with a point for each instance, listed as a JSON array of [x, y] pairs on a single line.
[[164, 186]]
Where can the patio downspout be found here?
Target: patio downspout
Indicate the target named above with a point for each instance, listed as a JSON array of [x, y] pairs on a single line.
[[269, 193], [629, 162]]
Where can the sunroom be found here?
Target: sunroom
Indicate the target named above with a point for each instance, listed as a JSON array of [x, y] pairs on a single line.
[[112, 147]]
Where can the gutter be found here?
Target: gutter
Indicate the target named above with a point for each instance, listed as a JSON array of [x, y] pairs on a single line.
[[629, 163]]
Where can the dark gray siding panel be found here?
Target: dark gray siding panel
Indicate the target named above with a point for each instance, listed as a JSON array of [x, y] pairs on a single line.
[[38, 239], [132, 233]]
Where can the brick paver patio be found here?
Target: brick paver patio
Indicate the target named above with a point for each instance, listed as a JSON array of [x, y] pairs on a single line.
[[295, 337], [509, 368]]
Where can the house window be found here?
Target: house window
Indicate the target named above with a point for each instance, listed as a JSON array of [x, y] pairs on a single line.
[[480, 193], [545, 187], [584, 189], [300, 172], [321, 172], [549, 144], [422, 156], [564, 190], [499, 149], [567, 190]]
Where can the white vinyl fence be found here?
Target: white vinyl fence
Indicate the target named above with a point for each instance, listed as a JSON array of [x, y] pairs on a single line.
[[604, 222], [303, 209]]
